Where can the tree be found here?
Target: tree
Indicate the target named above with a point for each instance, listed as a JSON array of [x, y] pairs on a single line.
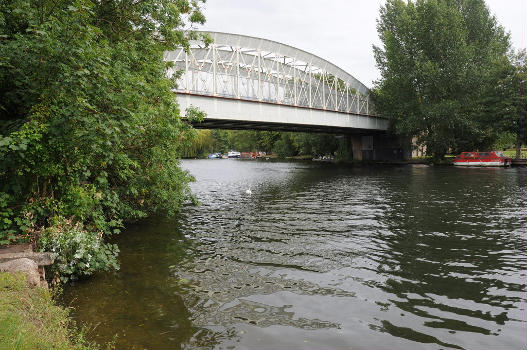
[[435, 62], [285, 146], [201, 145], [267, 140], [505, 101], [90, 131], [315, 144], [220, 140], [243, 140]]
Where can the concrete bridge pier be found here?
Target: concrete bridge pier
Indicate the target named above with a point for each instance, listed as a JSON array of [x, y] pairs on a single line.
[[377, 147], [362, 147], [355, 145]]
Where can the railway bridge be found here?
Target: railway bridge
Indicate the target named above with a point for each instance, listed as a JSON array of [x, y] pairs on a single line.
[[244, 82]]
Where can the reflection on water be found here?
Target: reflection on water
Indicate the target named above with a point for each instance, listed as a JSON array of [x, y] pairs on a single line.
[[322, 257]]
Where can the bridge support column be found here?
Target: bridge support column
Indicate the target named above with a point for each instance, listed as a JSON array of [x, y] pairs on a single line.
[[362, 147], [355, 143], [389, 147]]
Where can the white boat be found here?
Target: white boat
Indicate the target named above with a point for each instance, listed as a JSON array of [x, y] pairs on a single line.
[[214, 156], [234, 154]]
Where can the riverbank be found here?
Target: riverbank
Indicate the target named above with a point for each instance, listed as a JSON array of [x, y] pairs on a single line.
[[29, 318]]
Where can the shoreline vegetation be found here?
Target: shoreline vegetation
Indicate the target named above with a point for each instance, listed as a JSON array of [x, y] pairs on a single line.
[[280, 145], [30, 319], [90, 132], [290, 145]]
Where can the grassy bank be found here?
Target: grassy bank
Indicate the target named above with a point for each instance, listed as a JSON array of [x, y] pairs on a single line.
[[512, 153], [29, 319]]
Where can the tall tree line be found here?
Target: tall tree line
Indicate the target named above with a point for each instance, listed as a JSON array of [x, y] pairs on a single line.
[[283, 144], [449, 78]]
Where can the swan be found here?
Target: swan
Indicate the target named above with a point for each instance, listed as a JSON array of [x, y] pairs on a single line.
[[249, 191]]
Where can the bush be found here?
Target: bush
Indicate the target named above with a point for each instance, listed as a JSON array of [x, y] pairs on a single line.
[[78, 251]]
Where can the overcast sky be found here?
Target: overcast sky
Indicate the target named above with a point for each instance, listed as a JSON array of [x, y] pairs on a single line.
[[341, 31]]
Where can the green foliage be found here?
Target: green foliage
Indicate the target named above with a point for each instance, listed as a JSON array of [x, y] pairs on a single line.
[[505, 140], [220, 141], [344, 149], [247, 140], [513, 153], [315, 144], [89, 127], [505, 100], [200, 146], [284, 144], [6, 219], [211, 141], [435, 62], [253, 140], [329, 80], [79, 251], [267, 139]]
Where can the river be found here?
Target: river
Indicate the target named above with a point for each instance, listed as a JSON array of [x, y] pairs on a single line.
[[321, 256]]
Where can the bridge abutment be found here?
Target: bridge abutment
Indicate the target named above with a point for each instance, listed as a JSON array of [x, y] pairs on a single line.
[[378, 147], [389, 147]]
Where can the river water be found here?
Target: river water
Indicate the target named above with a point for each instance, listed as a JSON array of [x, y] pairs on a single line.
[[322, 257]]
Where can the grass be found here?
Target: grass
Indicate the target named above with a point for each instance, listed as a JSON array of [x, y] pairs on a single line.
[[512, 153], [29, 319], [508, 153]]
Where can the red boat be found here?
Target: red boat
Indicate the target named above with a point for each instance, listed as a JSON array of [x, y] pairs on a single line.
[[494, 158]]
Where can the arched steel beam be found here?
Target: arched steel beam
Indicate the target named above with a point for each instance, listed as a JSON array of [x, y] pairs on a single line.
[[244, 41]]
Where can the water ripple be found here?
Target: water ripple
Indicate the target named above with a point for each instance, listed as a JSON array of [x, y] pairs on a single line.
[[330, 257]]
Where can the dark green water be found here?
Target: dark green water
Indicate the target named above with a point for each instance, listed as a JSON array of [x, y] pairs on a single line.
[[322, 257]]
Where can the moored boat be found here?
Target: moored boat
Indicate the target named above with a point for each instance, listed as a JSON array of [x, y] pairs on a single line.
[[234, 154], [214, 156], [493, 158]]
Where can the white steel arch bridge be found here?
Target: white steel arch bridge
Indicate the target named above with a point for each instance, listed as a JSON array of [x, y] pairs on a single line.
[[243, 82]]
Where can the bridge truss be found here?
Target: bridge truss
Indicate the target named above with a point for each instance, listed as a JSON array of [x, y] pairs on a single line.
[[253, 69]]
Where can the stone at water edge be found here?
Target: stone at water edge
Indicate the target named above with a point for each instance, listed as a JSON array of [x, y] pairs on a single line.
[[42, 259], [26, 266]]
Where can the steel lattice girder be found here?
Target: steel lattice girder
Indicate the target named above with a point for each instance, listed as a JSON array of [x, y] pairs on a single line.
[[245, 67]]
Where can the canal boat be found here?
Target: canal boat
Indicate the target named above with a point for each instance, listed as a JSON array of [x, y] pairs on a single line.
[[234, 154], [483, 159]]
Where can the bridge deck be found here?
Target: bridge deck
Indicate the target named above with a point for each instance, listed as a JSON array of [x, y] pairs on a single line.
[[230, 113]]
